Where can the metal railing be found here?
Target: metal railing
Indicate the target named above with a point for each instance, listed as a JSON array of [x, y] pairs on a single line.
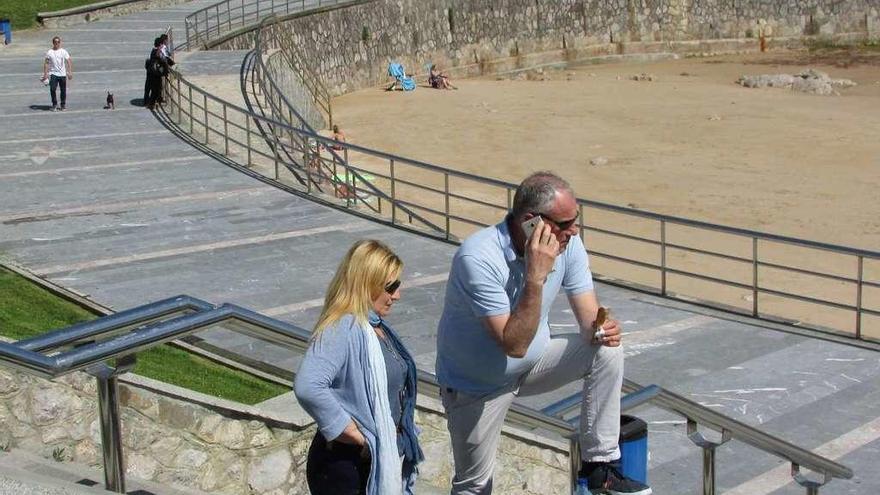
[[271, 148], [207, 24], [727, 428], [119, 337]]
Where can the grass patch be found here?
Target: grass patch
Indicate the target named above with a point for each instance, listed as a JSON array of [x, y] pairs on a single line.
[[23, 13], [27, 309], [827, 44]]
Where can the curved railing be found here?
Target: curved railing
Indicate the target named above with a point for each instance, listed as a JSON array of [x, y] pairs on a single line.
[[214, 21], [264, 146]]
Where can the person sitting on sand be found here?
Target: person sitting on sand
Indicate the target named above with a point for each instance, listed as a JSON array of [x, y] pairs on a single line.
[[339, 137], [439, 80]]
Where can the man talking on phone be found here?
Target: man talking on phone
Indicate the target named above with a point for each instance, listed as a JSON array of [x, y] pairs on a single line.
[[494, 343]]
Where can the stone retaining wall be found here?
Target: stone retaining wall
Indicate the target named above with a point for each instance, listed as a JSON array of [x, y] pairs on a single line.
[[351, 46], [291, 86], [189, 440]]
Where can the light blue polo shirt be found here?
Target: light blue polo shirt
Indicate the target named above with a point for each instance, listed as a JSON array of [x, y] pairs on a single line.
[[487, 279]]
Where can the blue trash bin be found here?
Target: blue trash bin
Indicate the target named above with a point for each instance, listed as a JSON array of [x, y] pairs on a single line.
[[634, 448], [6, 28]]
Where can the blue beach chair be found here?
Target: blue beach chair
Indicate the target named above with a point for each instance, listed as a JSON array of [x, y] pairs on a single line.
[[396, 71]]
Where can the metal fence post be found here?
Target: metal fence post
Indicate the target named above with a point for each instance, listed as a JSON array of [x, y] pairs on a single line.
[[393, 197], [860, 277], [247, 121], [307, 160], [663, 257], [179, 108], [708, 454], [205, 108], [111, 432], [225, 132], [754, 276], [191, 113], [574, 460], [446, 197]]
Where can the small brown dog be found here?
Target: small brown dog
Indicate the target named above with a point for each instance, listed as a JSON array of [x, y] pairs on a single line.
[[111, 104]]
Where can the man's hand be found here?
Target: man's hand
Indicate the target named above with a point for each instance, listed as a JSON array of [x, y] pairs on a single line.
[[609, 334], [541, 251]]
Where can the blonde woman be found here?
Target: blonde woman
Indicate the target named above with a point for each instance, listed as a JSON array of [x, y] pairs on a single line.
[[359, 383]]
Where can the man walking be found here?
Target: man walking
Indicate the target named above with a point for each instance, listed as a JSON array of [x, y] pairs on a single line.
[[58, 68], [494, 343]]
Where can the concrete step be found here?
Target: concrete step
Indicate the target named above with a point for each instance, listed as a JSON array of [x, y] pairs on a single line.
[[25, 473]]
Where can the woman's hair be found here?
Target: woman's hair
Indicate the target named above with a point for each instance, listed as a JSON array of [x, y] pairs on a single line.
[[335, 128], [360, 278]]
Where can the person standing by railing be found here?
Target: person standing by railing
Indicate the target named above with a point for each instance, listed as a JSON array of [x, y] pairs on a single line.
[[494, 343], [359, 383], [157, 67]]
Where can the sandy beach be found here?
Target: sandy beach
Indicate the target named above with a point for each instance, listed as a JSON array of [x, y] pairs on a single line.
[[690, 143]]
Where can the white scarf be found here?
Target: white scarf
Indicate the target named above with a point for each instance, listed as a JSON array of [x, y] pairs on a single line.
[[388, 464]]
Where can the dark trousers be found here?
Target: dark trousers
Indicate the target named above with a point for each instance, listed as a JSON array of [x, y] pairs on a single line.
[[55, 82], [147, 89], [336, 468], [154, 82]]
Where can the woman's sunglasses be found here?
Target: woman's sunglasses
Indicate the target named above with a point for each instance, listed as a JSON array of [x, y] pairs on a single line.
[[392, 287]]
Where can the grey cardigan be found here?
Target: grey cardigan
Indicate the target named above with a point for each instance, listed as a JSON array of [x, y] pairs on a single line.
[[331, 386]]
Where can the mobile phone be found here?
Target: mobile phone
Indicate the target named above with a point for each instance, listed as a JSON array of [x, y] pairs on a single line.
[[530, 225]]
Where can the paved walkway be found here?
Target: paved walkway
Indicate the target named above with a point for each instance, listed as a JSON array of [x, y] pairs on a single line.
[[112, 205]]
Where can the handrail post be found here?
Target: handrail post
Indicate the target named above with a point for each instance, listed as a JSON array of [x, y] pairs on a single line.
[[860, 277], [663, 257], [247, 121], [708, 454], [446, 198], [108, 411], [191, 112], [812, 487], [709, 470], [275, 150], [225, 131], [111, 433], [574, 460], [205, 104], [755, 276], [308, 165], [179, 96], [393, 198]]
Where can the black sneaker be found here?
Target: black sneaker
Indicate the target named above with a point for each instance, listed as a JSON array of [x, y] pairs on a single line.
[[606, 478]]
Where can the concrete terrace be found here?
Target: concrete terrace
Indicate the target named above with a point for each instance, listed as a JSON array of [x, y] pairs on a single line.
[[113, 205]]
